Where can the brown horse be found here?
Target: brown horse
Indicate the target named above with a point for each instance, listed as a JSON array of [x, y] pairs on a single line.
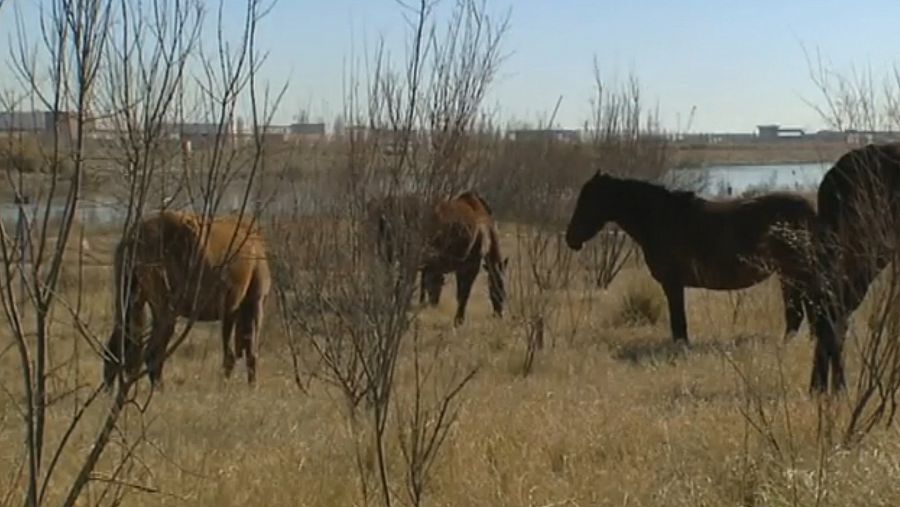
[[458, 235], [462, 237], [688, 241], [859, 223], [183, 267]]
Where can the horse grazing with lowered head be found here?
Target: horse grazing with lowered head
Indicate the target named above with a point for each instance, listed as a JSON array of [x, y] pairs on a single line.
[[182, 265], [457, 235], [688, 241], [856, 238], [461, 237]]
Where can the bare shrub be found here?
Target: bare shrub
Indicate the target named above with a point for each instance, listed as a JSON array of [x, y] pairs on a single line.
[[98, 59], [641, 304], [409, 140], [607, 254], [541, 269]]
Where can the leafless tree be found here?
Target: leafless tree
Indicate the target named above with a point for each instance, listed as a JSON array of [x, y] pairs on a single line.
[[123, 62], [409, 133]]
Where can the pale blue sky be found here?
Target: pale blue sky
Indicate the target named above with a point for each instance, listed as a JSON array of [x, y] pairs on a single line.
[[739, 63]]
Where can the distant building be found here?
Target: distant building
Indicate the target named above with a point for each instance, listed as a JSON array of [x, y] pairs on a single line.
[[204, 133], [40, 123], [308, 129], [775, 133]]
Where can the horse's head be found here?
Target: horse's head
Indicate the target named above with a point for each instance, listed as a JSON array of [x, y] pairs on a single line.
[[591, 210]]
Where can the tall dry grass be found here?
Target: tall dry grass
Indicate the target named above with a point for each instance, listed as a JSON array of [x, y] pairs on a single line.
[[365, 398], [614, 415]]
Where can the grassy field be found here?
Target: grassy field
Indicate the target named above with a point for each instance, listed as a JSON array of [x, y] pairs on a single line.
[[612, 414]]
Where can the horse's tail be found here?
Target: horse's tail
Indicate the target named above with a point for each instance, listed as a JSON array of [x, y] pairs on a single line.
[[493, 254], [494, 264], [251, 310]]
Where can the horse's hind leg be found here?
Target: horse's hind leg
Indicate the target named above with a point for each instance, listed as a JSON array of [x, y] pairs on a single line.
[[792, 295], [432, 284], [228, 357], [250, 315], [422, 287], [465, 278]]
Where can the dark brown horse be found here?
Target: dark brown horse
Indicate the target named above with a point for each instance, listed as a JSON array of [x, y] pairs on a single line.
[[181, 267], [859, 228], [461, 238], [688, 241]]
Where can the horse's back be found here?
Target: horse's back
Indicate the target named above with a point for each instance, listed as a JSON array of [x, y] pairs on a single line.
[[454, 229], [475, 202], [869, 174], [232, 256], [467, 208]]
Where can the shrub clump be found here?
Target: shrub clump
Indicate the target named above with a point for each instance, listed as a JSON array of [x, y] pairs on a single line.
[[27, 156], [641, 304]]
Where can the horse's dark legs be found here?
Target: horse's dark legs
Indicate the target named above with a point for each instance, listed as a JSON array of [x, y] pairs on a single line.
[[163, 328], [832, 319], [825, 336], [125, 354], [677, 318], [247, 329], [124, 345], [793, 298], [228, 356], [465, 278], [432, 283], [422, 288], [830, 329]]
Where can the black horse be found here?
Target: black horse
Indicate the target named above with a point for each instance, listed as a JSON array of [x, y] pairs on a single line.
[[857, 233], [689, 241]]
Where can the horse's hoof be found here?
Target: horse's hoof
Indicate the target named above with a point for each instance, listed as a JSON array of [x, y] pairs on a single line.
[[682, 344]]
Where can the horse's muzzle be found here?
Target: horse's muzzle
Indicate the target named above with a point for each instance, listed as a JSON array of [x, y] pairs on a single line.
[[573, 244]]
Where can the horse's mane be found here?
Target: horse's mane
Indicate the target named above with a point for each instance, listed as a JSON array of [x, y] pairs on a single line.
[[654, 190]]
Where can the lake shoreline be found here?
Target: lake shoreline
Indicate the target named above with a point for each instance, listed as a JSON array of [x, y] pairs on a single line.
[[696, 156]]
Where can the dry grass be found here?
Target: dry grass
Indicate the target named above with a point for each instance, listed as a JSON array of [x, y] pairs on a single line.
[[610, 415]]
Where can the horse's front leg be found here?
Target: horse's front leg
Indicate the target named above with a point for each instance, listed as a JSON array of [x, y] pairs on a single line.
[[792, 295], [675, 296], [163, 329]]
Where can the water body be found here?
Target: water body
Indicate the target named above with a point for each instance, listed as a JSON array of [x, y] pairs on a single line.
[[722, 181], [300, 198]]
